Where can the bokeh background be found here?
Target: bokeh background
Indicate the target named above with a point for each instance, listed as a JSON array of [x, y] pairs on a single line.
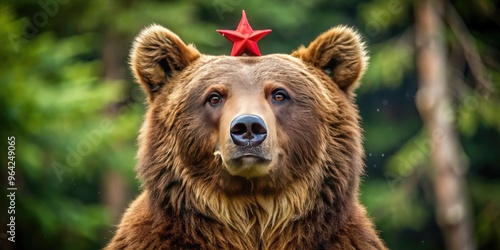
[[67, 96]]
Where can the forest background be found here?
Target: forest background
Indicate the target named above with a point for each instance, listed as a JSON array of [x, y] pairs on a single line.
[[68, 98]]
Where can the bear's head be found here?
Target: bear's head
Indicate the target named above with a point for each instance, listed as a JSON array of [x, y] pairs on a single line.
[[250, 140]]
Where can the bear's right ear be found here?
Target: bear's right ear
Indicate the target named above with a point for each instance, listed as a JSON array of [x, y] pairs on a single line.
[[156, 55]]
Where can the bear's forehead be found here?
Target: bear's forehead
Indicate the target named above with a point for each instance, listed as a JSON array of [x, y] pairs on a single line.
[[251, 60], [252, 70]]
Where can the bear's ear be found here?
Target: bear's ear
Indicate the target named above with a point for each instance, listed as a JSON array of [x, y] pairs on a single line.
[[340, 53], [156, 55]]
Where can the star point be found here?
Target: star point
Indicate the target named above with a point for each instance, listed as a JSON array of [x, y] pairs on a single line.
[[244, 38]]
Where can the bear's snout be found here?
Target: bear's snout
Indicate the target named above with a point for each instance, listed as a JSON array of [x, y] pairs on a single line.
[[248, 130]]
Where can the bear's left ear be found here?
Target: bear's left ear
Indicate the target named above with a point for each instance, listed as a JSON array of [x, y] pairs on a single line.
[[340, 53], [156, 55]]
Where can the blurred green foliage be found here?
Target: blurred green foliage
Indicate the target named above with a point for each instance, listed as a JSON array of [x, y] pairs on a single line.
[[74, 123]]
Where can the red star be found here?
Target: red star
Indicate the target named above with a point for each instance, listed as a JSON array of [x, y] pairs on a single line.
[[244, 38]]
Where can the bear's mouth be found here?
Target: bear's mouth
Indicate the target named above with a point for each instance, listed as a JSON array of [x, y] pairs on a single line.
[[248, 164]]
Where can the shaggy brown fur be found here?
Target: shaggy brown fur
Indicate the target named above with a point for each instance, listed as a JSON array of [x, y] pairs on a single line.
[[305, 197]]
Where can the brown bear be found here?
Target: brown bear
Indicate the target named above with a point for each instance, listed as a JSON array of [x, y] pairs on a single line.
[[249, 152]]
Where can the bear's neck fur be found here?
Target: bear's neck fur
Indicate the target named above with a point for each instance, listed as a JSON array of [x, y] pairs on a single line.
[[257, 220]]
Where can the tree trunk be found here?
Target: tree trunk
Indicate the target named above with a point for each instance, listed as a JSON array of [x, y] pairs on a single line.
[[116, 191], [436, 109]]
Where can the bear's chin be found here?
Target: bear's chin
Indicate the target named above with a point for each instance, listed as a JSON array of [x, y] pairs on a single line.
[[248, 166]]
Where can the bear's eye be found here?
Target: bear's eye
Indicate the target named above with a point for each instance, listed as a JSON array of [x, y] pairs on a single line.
[[280, 95], [214, 99]]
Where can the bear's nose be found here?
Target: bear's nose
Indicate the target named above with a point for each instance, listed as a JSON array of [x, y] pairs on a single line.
[[248, 130]]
